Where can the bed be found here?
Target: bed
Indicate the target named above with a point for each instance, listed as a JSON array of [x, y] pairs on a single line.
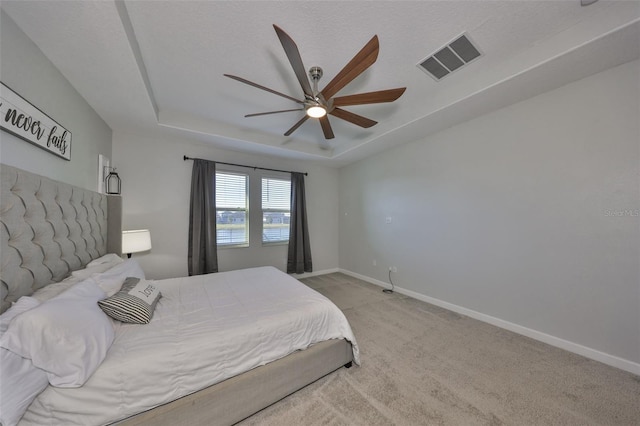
[[290, 335]]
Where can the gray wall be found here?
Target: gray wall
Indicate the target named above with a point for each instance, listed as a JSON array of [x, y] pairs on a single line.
[[156, 189], [528, 214], [25, 69]]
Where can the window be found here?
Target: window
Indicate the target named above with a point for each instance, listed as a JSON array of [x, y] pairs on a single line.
[[232, 218], [276, 210]]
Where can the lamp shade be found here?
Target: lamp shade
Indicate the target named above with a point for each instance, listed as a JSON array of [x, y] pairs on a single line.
[[136, 241]]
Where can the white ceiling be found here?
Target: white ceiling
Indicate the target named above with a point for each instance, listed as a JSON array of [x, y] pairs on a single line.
[[152, 66]]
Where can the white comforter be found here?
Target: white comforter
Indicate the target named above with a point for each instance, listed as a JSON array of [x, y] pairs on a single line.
[[205, 329]]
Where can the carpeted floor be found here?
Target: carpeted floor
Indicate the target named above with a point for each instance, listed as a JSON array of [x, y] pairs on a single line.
[[424, 365]]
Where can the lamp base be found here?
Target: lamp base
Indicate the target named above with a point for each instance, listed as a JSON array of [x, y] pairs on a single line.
[[387, 290]]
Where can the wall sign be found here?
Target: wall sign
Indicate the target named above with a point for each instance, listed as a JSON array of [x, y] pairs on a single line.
[[21, 119]]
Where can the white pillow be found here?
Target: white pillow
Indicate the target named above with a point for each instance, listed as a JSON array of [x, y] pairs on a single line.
[[110, 258], [132, 266], [83, 274], [21, 381], [21, 305], [52, 290], [67, 336], [111, 281]]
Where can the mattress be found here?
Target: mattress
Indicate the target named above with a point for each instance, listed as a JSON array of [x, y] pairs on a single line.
[[205, 329]]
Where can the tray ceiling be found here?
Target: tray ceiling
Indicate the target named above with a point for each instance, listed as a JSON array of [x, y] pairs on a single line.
[[158, 66]]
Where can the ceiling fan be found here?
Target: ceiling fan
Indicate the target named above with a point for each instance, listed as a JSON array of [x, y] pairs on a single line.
[[317, 104]]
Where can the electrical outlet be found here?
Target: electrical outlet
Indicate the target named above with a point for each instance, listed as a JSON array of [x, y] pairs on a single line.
[[375, 263], [393, 269], [388, 219]]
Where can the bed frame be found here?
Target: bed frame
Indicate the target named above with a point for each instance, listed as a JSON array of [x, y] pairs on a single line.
[[50, 228], [239, 397]]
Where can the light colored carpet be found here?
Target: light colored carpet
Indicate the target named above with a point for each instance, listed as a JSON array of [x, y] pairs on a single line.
[[424, 365]]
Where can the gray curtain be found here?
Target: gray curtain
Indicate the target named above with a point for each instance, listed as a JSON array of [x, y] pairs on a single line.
[[203, 249], [299, 258]]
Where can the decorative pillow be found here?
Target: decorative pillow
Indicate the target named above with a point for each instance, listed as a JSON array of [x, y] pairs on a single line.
[[134, 303], [21, 381], [67, 336]]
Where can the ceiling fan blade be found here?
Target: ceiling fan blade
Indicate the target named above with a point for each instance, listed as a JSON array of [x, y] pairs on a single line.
[[353, 118], [370, 98], [273, 112], [326, 127], [251, 83], [291, 49], [363, 60], [295, 126]]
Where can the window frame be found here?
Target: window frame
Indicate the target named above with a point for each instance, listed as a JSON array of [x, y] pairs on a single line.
[[274, 210], [246, 210]]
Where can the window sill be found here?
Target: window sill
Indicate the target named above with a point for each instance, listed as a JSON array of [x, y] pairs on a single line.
[[232, 246], [275, 243]]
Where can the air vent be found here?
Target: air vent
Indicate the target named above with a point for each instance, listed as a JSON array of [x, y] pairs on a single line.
[[451, 57]]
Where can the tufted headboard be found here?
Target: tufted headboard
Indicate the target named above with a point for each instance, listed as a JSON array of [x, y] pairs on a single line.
[[49, 229]]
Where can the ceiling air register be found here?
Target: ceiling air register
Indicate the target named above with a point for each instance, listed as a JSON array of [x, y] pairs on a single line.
[[450, 58]]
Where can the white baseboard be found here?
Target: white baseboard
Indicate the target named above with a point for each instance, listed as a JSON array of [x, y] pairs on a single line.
[[315, 273], [612, 360]]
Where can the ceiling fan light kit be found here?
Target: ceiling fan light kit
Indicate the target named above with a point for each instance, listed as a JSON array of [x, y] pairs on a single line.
[[316, 111], [319, 104]]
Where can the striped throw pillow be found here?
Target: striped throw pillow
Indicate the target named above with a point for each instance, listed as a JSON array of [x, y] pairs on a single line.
[[134, 303]]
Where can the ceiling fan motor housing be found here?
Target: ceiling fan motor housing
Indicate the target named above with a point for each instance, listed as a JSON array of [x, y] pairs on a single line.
[[315, 73]]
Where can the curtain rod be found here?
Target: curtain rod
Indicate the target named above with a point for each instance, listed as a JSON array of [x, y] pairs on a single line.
[[242, 165]]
